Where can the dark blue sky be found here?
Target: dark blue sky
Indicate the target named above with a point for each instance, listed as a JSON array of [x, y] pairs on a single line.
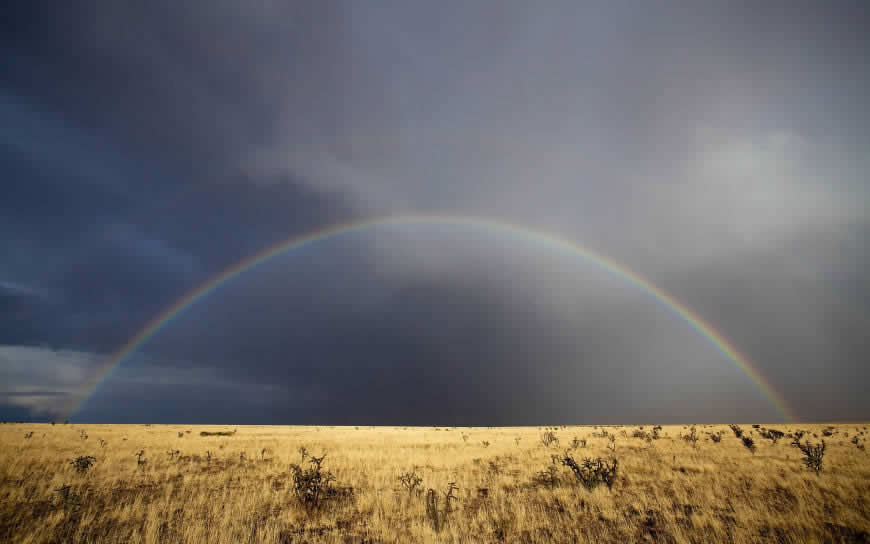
[[719, 151]]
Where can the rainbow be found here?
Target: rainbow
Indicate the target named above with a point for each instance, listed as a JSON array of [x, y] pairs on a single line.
[[160, 321]]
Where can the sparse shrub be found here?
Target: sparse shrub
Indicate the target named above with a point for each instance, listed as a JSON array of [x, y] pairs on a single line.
[[217, 433], [311, 486], [303, 453], [548, 438], [549, 477], [813, 455], [611, 442], [410, 481], [83, 435], [180, 434], [140, 459], [738, 432], [465, 438], [592, 472], [578, 443], [449, 496], [692, 437], [28, 435], [773, 435], [173, 453], [749, 443], [438, 516], [102, 443], [716, 437], [83, 463], [640, 433], [432, 512], [485, 443], [828, 431], [517, 440]]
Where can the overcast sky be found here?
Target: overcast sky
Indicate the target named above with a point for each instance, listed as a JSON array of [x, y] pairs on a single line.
[[719, 150]]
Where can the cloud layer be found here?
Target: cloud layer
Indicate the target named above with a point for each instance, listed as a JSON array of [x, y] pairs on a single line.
[[718, 151]]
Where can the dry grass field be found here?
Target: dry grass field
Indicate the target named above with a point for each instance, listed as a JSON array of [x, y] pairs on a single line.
[[240, 487]]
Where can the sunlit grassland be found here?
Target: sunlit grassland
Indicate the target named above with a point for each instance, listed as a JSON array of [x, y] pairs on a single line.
[[239, 487]]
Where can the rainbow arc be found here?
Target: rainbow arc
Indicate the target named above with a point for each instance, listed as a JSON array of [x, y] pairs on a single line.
[[550, 241]]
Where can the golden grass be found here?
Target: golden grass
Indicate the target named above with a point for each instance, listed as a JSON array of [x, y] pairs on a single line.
[[667, 490]]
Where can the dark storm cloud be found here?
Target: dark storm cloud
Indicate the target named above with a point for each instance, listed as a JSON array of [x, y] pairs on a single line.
[[718, 150]]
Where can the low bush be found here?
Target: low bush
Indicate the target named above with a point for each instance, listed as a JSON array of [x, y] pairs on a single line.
[[549, 438], [547, 478], [83, 463], [813, 455], [311, 486], [217, 433], [410, 480], [692, 437], [592, 472], [436, 514]]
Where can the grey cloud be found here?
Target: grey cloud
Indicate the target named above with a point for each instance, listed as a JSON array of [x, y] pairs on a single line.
[[717, 150], [29, 372], [32, 393], [13, 289]]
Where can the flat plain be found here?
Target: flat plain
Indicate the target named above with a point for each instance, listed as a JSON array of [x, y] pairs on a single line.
[[221, 484]]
